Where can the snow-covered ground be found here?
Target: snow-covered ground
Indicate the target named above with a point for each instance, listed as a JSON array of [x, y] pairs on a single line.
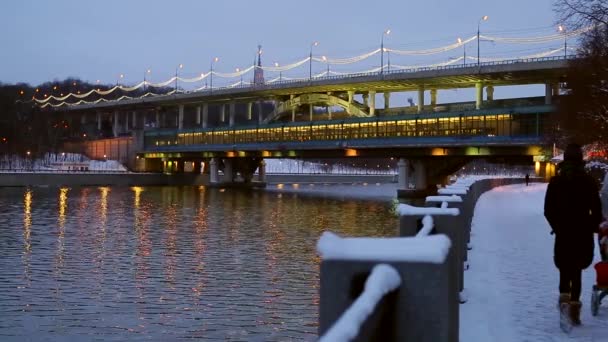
[[512, 281]]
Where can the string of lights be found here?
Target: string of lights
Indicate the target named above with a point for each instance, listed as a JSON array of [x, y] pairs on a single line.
[[328, 61]]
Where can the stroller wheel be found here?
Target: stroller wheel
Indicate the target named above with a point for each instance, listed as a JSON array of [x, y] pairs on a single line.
[[595, 302]]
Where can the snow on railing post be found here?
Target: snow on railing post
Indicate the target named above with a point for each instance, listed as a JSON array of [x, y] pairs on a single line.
[[423, 308]]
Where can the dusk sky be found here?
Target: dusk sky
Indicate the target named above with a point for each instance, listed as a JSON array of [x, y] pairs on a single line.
[[51, 40]]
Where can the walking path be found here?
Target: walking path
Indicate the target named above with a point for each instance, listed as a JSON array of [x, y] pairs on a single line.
[[512, 281]]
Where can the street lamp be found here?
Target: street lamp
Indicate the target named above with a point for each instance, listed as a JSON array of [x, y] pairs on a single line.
[[385, 33], [214, 60], [180, 66], [324, 58], [145, 82], [464, 47], [238, 71], [276, 64], [562, 29], [310, 60], [484, 18]]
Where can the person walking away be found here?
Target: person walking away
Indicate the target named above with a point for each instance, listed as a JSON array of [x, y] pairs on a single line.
[[527, 179], [573, 210]]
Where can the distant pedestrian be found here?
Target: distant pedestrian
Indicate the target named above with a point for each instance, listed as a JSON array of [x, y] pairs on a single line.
[[573, 209], [527, 179]]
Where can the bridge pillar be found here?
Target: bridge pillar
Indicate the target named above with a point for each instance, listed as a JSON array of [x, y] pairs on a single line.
[[419, 175], [115, 124], [555, 89], [180, 117], [387, 100], [262, 171], [403, 170], [293, 108], [420, 98], [433, 97], [372, 102], [157, 119], [260, 114], [134, 120], [365, 99], [490, 93], [310, 110], [98, 121], [228, 170], [478, 95], [329, 105], [223, 112], [198, 115], [205, 118], [351, 95], [249, 110], [213, 171], [232, 113], [83, 119]]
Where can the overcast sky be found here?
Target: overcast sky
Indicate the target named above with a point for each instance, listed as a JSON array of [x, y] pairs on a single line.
[[47, 40]]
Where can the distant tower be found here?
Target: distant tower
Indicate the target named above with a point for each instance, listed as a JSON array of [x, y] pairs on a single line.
[[258, 73]]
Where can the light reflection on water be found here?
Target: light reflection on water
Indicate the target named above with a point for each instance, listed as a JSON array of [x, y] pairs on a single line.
[[161, 263]]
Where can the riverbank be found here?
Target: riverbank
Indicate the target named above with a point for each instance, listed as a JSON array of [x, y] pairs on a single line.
[[74, 178]]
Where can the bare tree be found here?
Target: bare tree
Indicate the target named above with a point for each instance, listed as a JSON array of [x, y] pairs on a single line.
[[580, 13], [583, 113]]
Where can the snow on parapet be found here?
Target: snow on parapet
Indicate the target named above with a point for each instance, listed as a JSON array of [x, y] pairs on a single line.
[[408, 210], [383, 279], [427, 226], [452, 191], [449, 199], [433, 249]]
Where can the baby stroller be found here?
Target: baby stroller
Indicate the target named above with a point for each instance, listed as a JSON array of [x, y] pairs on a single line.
[[600, 289]]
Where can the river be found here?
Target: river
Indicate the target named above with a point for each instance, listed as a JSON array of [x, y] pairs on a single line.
[[168, 263]]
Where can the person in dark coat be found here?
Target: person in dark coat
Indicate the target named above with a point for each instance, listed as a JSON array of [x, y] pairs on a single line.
[[574, 211]]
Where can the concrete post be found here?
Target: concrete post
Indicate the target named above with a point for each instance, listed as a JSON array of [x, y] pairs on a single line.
[[490, 93], [403, 170], [387, 100], [249, 110], [548, 95], [205, 115], [433, 97], [478, 95], [223, 112], [420, 99], [365, 99], [351, 95], [83, 119], [232, 113], [134, 120], [372, 102], [115, 124], [293, 108], [157, 118], [262, 171], [98, 121], [198, 115], [555, 89], [213, 174], [227, 170]]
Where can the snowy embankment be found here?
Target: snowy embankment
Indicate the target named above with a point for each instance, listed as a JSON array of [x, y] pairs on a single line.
[[513, 283], [55, 162]]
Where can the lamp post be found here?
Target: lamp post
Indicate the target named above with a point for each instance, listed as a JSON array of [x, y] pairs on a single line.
[[310, 60], [385, 33], [562, 29], [238, 71], [180, 66], [464, 55], [484, 18], [324, 58], [145, 81], [214, 60], [276, 65]]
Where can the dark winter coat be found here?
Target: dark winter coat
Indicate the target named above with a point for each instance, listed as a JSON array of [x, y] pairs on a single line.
[[574, 211]]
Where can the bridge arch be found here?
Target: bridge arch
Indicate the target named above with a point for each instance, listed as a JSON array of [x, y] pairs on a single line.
[[287, 106]]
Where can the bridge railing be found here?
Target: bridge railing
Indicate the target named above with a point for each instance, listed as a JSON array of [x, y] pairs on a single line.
[[425, 305]]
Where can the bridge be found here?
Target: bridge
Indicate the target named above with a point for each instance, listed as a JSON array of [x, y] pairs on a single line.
[[234, 128]]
